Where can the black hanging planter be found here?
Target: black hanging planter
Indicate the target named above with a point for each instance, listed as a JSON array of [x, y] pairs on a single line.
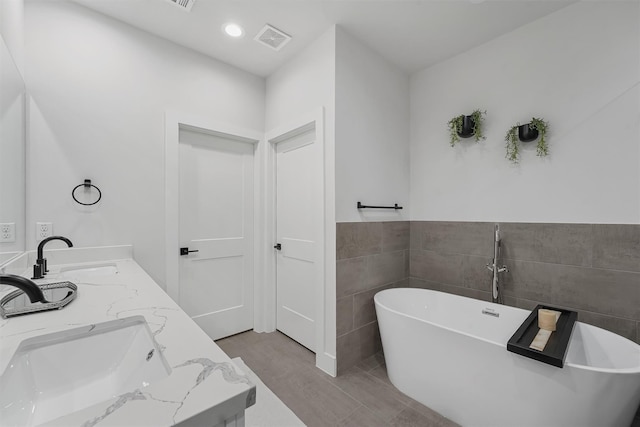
[[468, 126], [536, 129], [526, 133], [464, 126]]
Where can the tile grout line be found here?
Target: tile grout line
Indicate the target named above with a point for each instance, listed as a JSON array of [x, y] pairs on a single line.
[[351, 413]]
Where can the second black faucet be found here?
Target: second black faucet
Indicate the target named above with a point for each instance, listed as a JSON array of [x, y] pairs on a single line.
[[40, 267]]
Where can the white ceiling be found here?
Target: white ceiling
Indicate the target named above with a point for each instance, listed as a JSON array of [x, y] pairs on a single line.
[[411, 34]]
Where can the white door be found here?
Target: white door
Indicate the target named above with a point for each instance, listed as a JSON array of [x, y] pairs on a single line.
[[296, 276], [216, 224]]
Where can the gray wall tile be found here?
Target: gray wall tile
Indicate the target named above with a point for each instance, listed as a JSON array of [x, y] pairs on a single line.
[[435, 267], [414, 282], [416, 234], [348, 351], [402, 284], [616, 246], [355, 239], [371, 257], [472, 238], [466, 292], [395, 236], [344, 315], [476, 275], [370, 342], [510, 301], [385, 268], [526, 304], [364, 310], [610, 292], [456, 290], [555, 243], [351, 276], [407, 263], [357, 345], [623, 327]]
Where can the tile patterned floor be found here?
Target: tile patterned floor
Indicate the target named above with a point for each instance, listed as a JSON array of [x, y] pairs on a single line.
[[363, 396]]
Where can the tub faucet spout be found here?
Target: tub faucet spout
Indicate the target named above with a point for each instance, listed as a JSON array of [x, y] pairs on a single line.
[[496, 291]]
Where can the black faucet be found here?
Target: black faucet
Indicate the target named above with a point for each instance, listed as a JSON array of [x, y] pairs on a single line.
[[27, 286], [40, 267]]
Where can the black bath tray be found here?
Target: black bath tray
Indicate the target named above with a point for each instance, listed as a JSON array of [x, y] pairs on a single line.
[[555, 351]]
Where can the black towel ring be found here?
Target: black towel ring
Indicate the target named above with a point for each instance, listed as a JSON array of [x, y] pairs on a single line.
[[87, 184]]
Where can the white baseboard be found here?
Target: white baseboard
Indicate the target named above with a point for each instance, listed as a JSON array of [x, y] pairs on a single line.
[[327, 363]]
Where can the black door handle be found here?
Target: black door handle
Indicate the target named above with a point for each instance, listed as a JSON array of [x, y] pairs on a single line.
[[278, 246], [186, 251]]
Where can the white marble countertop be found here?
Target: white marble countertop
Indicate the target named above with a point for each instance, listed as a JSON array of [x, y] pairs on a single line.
[[203, 388]]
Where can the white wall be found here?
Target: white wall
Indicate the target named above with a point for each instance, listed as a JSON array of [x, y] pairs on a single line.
[[99, 92], [12, 124], [12, 29], [579, 69], [372, 133], [302, 86], [12, 151]]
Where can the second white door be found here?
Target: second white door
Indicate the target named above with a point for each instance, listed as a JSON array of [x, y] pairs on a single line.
[[216, 224], [296, 277]]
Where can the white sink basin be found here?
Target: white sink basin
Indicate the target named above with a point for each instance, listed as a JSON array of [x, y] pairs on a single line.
[[88, 271], [56, 374]]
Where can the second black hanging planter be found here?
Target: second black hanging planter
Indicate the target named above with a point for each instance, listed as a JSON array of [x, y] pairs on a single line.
[[528, 132], [468, 125]]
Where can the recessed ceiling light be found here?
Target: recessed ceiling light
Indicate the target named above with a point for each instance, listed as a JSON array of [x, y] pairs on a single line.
[[233, 30]]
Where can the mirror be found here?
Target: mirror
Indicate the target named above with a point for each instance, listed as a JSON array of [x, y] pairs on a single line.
[[12, 158]]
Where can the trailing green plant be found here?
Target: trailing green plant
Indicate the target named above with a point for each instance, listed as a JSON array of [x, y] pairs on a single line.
[[513, 140], [542, 149], [513, 146], [478, 124], [455, 127]]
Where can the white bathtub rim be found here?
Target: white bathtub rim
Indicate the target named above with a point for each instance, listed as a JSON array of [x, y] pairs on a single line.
[[633, 370]]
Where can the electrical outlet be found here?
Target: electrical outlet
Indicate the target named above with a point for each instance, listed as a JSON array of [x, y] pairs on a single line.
[[8, 232], [43, 230]]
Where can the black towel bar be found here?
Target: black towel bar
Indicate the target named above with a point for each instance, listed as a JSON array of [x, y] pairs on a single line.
[[395, 206]]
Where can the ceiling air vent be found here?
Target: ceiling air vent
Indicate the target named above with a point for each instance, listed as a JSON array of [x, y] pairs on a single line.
[[183, 4], [272, 37]]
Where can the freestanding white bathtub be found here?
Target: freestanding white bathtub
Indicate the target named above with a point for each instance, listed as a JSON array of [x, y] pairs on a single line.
[[442, 351]]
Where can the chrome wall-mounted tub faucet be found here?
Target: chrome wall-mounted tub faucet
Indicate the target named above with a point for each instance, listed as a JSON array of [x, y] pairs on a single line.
[[496, 291]]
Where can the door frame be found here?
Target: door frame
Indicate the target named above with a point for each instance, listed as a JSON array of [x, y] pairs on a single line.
[[174, 120], [324, 360]]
